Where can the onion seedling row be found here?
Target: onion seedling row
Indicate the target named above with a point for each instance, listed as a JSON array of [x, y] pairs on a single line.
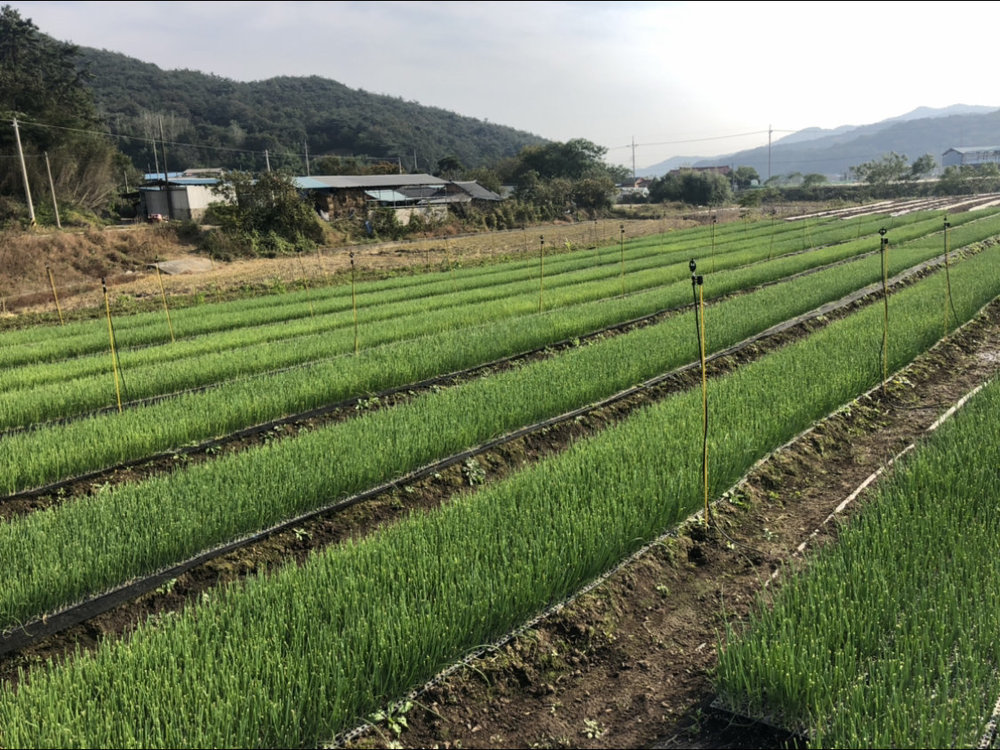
[[59, 400], [134, 530], [883, 643], [501, 283], [297, 657], [41, 456], [42, 344]]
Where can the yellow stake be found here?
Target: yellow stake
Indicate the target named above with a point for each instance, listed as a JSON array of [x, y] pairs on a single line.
[[163, 296], [622, 228], [947, 278], [305, 286], [114, 354], [451, 267], [541, 269], [55, 296], [354, 304]]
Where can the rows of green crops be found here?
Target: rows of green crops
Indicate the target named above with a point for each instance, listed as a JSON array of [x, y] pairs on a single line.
[[292, 659], [43, 344], [433, 427], [149, 375], [297, 315], [375, 303], [47, 454], [881, 642]]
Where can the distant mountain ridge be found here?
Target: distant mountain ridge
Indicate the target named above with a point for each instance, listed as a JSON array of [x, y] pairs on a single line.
[[832, 152], [230, 124]]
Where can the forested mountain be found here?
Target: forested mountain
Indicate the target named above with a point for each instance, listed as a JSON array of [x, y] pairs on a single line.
[[210, 121]]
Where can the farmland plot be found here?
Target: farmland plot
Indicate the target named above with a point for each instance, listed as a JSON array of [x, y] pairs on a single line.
[[627, 448], [38, 457]]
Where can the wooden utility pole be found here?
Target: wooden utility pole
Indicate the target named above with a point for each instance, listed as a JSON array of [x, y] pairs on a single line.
[[52, 187], [166, 174], [24, 173]]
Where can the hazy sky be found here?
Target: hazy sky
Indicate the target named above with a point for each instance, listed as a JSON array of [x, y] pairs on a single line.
[[680, 78]]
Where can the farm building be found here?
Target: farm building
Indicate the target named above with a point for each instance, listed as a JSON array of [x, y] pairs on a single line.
[[179, 195], [407, 194], [970, 155]]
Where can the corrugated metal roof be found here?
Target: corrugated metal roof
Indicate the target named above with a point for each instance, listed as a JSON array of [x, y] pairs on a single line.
[[194, 181], [308, 183], [972, 149], [448, 198], [420, 191], [388, 196], [373, 181], [478, 192]]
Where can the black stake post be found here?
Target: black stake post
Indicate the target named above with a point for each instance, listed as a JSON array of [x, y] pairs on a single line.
[[714, 220], [883, 248], [947, 280], [697, 283], [541, 269], [114, 349], [770, 245], [622, 228]]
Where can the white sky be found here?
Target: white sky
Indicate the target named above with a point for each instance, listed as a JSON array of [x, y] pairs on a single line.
[[681, 78]]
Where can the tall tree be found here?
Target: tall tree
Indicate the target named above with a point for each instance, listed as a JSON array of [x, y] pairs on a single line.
[[41, 86]]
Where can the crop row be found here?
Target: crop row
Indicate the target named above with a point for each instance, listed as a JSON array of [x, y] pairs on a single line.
[[56, 399], [294, 658], [889, 637], [241, 326], [201, 510], [463, 287], [50, 453]]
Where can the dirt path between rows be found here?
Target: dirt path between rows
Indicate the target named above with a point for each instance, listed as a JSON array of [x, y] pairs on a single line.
[[628, 664]]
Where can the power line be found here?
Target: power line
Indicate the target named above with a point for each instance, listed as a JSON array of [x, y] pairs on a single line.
[[699, 140], [138, 138], [154, 142]]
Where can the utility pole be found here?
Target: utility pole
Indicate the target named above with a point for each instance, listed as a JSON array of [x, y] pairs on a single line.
[[24, 173], [52, 187], [307, 157], [267, 160], [769, 131], [633, 161], [166, 174]]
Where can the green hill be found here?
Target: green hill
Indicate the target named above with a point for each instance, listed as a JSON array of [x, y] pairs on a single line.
[[213, 121]]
